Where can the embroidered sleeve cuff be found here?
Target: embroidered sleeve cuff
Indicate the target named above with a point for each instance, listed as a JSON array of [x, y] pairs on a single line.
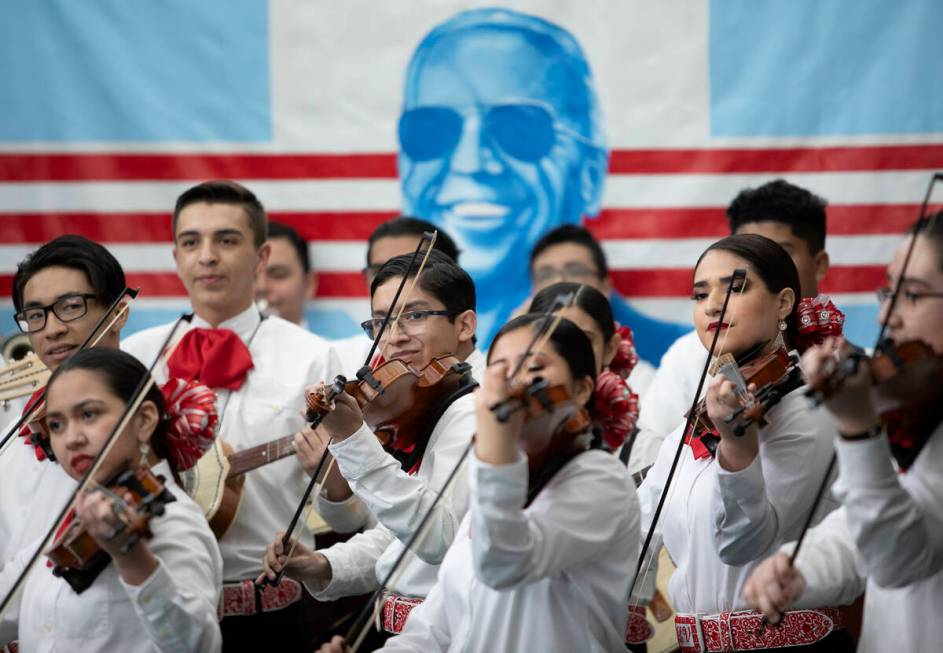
[[500, 485], [358, 454], [865, 463]]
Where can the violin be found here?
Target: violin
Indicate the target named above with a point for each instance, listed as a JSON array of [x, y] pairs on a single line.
[[775, 374], [905, 387], [77, 557], [400, 404]]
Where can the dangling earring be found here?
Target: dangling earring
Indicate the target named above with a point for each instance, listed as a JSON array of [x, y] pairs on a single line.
[[782, 325], [145, 450], [780, 342]]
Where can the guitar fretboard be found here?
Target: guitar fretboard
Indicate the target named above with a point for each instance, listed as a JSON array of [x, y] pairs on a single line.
[[263, 454]]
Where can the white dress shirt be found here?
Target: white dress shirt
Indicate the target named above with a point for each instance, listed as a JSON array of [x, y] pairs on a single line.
[[889, 532], [718, 525], [173, 611], [269, 405], [667, 398], [549, 577], [399, 502]]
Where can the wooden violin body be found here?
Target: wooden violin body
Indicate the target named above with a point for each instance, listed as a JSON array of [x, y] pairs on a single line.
[[77, 556]]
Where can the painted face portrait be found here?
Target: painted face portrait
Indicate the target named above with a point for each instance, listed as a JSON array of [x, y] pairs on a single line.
[[500, 141]]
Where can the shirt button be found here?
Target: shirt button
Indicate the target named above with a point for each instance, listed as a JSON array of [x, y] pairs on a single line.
[[47, 628]]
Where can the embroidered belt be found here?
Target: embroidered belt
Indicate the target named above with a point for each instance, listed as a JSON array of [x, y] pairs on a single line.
[[637, 628], [740, 631], [244, 598], [396, 609]]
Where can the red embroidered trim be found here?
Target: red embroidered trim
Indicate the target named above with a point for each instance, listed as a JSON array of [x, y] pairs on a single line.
[[238, 599], [637, 628], [396, 610], [740, 631]]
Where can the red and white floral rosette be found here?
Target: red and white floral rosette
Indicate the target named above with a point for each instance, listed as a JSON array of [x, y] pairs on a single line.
[[818, 319], [626, 357], [615, 408], [191, 420]]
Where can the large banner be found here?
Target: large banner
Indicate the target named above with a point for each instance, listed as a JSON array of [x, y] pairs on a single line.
[[497, 122]]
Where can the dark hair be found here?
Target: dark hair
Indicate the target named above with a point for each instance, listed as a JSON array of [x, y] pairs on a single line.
[[102, 270], [442, 278], [568, 340], [405, 225], [279, 230], [576, 234], [932, 231], [122, 373], [593, 302], [771, 263], [780, 201], [224, 191]]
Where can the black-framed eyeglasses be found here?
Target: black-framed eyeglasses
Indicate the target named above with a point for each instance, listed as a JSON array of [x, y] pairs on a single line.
[[525, 131], [410, 322], [884, 294], [545, 275], [66, 309]]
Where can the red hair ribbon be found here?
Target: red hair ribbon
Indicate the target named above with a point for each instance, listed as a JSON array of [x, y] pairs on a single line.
[[818, 319], [626, 357], [192, 420], [615, 408]]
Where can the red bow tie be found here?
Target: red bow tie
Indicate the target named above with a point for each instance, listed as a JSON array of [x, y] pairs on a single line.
[[215, 357], [703, 443]]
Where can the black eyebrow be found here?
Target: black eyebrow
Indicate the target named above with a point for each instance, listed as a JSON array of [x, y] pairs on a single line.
[[417, 305], [74, 293]]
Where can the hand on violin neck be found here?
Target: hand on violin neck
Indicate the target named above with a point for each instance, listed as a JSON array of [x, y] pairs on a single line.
[[496, 440], [850, 402], [107, 519], [298, 561], [734, 452]]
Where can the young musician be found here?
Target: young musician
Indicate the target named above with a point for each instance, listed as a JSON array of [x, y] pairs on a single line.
[[258, 368], [287, 282], [539, 563], [395, 237], [158, 594], [734, 499], [60, 292], [889, 532], [398, 483], [779, 210]]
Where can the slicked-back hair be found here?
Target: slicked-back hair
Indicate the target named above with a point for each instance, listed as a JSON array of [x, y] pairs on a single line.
[[933, 232], [101, 268], [224, 191], [279, 230], [441, 277], [405, 225], [779, 201], [578, 235], [590, 300]]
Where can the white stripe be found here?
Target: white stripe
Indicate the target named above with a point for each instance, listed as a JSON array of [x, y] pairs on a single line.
[[626, 191], [654, 253], [349, 256]]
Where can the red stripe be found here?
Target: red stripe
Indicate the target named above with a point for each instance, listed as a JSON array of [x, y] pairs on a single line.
[[667, 282], [676, 282], [114, 166], [844, 220], [155, 227]]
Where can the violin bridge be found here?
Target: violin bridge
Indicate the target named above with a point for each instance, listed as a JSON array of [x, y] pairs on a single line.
[[726, 366]]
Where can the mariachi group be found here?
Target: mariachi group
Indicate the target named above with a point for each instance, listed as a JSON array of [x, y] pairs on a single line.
[[232, 481]]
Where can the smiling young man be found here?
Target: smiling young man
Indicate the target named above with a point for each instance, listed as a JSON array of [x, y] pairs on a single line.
[[60, 292], [399, 482], [258, 368]]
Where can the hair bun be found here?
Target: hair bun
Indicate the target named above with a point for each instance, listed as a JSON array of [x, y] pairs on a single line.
[[626, 357]]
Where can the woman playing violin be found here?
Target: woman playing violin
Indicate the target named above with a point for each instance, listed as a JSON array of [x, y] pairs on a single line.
[[888, 535], [734, 498], [154, 595], [546, 574], [399, 480]]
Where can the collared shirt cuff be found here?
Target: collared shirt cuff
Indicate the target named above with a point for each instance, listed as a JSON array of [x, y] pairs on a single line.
[[747, 482], [502, 485], [344, 516], [359, 453], [865, 463], [341, 576], [154, 590]]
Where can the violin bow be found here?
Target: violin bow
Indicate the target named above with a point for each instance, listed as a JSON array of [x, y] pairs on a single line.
[[366, 616], [365, 374], [138, 396], [91, 340], [922, 222], [739, 275]]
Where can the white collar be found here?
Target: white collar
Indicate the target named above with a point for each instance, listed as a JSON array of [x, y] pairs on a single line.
[[243, 324]]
